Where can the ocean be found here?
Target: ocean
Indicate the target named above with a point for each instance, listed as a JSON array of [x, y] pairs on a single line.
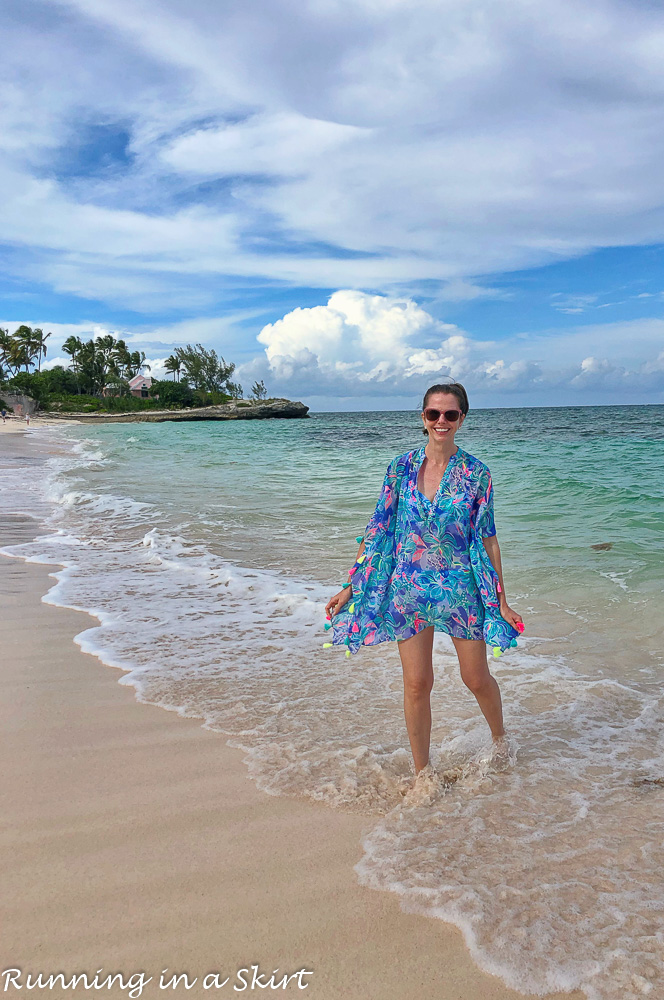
[[207, 552]]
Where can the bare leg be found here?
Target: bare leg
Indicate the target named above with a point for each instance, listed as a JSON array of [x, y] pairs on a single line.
[[416, 662], [475, 675]]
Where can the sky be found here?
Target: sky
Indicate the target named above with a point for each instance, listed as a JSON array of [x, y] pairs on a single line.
[[350, 199]]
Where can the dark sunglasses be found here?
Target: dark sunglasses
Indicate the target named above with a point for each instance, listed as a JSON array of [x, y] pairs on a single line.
[[450, 415]]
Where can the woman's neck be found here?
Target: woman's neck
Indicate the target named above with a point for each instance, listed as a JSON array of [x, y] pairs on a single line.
[[439, 452]]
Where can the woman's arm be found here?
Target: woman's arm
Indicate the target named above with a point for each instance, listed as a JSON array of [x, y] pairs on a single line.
[[336, 603]]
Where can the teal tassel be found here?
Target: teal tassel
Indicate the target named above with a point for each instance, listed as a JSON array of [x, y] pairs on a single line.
[[514, 643], [328, 625], [360, 538]]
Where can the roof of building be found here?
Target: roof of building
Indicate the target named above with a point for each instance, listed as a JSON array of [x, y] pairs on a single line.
[[139, 380]]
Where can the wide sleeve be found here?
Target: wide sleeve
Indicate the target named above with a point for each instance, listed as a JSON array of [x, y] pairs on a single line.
[[383, 519], [497, 632], [484, 521], [357, 622]]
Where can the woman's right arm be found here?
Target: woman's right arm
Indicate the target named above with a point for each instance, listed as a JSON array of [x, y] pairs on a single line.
[[336, 603]]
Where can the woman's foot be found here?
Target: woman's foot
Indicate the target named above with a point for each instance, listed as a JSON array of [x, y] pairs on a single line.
[[426, 787], [503, 753]]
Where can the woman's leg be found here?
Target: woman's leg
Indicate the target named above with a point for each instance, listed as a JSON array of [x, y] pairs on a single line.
[[417, 665], [475, 675]]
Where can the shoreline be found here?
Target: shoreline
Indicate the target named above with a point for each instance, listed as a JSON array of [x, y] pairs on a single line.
[[141, 843]]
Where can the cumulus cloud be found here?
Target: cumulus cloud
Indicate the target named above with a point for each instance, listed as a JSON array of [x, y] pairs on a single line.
[[360, 337], [361, 345]]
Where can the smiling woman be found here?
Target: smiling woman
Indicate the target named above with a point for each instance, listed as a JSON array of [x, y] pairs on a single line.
[[429, 560]]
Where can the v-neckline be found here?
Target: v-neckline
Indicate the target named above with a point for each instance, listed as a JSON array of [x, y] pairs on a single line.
[[422, 496]]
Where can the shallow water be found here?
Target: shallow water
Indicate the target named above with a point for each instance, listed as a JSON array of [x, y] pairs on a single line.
[[208, 552]]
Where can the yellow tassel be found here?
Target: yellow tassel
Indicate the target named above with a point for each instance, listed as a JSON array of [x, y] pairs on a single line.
[[348, 652], [328, 645], [351, 607], [361, 559]]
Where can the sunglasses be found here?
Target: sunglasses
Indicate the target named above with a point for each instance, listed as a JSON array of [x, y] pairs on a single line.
[[450, 415]]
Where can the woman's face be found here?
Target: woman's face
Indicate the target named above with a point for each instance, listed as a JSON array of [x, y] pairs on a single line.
[[442, 429]]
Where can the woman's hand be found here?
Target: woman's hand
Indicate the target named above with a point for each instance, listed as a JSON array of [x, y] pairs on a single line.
[[336, 603], [511, 617]]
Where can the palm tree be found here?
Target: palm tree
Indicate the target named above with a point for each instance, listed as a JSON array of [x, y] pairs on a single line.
[[40, 339], [27, 342], [73, 347], [7, 350], [122, 360], [138, 362], [174, 366]]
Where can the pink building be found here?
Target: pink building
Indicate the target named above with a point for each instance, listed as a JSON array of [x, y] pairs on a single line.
[[140, 385]]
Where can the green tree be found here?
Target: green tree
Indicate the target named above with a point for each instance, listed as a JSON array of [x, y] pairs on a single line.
[[122, 360], [258, 390], [73, 346], [98, 363], [204, 369], [40, 339], [8, 353], [60, 381], [31, 384], [174, 366], [172, 393], [28, 345], [21, 348]]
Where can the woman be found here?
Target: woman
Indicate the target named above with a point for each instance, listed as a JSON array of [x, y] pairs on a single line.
[[429, 560]]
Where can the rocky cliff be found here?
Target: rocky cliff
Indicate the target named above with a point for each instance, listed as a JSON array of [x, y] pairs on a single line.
[[237, 410]]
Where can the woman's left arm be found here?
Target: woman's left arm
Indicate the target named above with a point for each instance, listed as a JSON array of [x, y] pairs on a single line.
[[493, 551]]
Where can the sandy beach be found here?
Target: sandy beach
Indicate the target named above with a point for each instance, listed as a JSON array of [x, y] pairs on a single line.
[[135, 842]]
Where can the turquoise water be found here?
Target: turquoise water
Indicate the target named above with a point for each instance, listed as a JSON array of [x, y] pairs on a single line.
[[208, 550], [292, 495]]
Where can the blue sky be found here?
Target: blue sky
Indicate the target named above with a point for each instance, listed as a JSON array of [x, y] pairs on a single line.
[[351, 200]]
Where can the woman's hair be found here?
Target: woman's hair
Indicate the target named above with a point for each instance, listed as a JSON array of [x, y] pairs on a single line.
[[453, 389]]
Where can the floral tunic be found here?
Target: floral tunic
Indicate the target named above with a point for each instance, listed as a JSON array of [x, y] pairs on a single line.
[[424, 561]]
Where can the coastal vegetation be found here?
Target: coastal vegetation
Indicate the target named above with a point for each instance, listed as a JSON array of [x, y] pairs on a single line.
[[21, 349], [98, 377]]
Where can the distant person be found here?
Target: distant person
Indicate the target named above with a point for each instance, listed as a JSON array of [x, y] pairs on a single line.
[[430, 561], [4, 416], [27, 419]]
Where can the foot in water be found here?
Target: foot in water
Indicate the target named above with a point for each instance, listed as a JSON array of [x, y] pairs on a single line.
[[502, 754], [425, 788]]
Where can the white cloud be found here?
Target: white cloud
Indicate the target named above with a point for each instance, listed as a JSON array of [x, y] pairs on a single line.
[[459, 290], [359, 336], [438, 139], [63, 362], [362, 345], [281, 143], [572, 303]]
